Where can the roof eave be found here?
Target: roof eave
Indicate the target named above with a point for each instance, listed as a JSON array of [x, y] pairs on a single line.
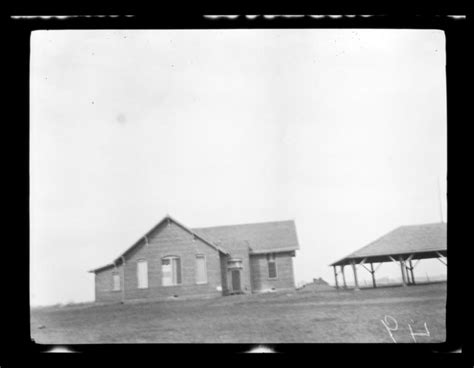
[[98, 269], [348, 260], [273, 250]]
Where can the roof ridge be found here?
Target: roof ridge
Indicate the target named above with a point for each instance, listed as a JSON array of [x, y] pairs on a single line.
[[423, 224], [245, 224]]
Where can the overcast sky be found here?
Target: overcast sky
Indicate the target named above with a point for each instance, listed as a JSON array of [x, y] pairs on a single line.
[[343, 131]]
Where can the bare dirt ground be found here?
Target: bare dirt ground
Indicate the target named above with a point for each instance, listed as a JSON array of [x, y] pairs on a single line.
[[386, 315]]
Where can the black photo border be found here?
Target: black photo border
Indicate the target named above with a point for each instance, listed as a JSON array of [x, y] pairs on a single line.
[[17, 347]]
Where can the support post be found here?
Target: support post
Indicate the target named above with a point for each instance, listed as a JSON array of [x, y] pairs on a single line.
[[343, 277], [356, 282], [412, 274], [407, 274], [402, 267], [407, 269], [373, 274], [335, 277]]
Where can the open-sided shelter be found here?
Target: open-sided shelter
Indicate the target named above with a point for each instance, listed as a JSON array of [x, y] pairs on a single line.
[[405, 244]]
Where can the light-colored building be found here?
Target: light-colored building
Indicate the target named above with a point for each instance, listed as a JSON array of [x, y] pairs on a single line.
[[174, 261]]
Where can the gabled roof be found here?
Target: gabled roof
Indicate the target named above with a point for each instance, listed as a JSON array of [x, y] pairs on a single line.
[[142, 240], [410, 239], [264, 237]]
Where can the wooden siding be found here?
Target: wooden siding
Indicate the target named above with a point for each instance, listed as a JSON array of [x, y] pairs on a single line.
[[259, 272], [166, 240], [104, 286]]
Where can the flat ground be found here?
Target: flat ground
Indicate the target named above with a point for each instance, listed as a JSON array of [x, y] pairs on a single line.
[[297, 316]]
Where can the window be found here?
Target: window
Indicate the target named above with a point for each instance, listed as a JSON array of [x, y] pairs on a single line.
[[272, 272], [170, 271], [201, 269], [142, 274], [116, 281]]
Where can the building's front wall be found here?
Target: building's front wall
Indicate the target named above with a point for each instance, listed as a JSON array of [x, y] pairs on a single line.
[[245, 282], [261, 282], [169, 239]]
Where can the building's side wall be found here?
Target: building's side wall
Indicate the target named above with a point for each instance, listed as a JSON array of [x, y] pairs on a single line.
[[167, 240], [104, 286], [245, 281], [259, 272]]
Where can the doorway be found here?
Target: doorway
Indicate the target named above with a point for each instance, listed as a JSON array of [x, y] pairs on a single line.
[[236, 281]]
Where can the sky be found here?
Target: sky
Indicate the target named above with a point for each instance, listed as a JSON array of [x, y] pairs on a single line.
[[342, 131]]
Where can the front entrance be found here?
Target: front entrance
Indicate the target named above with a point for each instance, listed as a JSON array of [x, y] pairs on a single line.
[[236, 281]]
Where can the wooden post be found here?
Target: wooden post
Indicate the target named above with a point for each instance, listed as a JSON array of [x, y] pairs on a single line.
[[407, 276], [343, 277], [412, 274], [412, 280], [373, 274], [356, 282], [402, 267], [335, 277]]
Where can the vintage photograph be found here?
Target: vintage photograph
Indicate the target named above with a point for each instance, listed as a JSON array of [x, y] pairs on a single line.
[[253, 186]]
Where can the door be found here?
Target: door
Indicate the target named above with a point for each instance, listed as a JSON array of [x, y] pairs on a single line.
[[235, 280]]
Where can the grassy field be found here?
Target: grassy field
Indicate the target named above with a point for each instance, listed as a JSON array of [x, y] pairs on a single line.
[[297, 316]]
